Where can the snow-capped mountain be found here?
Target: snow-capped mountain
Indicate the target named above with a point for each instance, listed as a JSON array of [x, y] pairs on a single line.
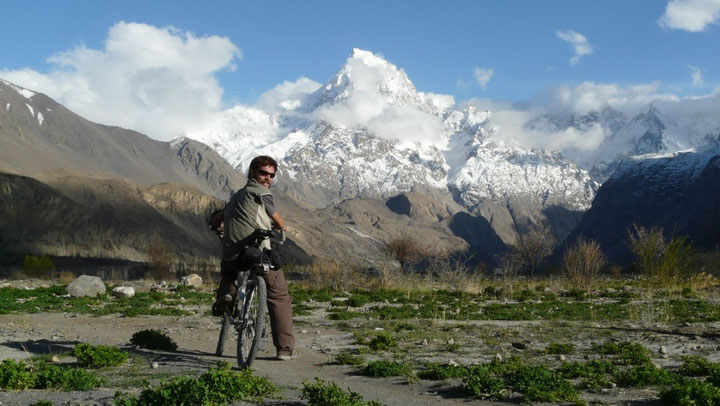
[[368, 132], [660, 129]]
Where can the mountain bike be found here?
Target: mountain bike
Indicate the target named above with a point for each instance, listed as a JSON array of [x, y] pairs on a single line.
[[247, 312]]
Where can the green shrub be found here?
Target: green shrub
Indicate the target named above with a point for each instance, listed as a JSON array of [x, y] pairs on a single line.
[[342, 314], [382, 342], [642, 375], [383, 368], [42, 403], [560, 348], [525, 295], [345, 358], [358, 300], [66, 379], [98, 356], [485, 382], [14, 375], [153, 340], [595, 374], [321, 394], [540, 384], [626, 352], [691, 392], [217, 386], [438, 372], [694, 365]]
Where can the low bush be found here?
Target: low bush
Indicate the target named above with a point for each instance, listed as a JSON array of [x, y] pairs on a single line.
[[646, 374], [66, 379], [153, 340], [320, 393], [217, 386], [342, 314], [16, 375], [345, 358], [560, 348], [625, 352], [595, 374], [691, 392], [694, 365], [98, 356], [540, 384], [383, 368], [485, 382], [382, 342]]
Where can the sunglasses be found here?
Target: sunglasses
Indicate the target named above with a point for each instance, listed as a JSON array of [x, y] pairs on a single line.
[[266, 173]]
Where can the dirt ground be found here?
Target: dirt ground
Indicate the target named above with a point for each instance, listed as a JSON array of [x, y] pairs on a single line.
[[25, 335], [318, 340]]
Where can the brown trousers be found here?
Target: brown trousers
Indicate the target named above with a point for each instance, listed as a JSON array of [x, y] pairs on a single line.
[[278, 301]]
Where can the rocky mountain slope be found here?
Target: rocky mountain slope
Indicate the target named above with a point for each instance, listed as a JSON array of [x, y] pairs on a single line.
[[37, 134], [678, 192]]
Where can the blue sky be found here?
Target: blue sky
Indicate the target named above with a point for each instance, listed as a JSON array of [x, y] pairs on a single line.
[[499, 50]]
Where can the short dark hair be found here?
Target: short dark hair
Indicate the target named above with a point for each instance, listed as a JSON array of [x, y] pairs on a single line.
[[259, 161]]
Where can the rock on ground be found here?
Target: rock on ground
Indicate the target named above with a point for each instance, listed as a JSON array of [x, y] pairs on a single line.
[[123, 291], [86, 285], [193, 280]]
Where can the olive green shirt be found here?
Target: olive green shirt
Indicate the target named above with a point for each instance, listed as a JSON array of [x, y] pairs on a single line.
[[244, 214]]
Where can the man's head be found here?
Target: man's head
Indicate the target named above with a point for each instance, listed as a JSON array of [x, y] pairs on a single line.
[[262, 169]]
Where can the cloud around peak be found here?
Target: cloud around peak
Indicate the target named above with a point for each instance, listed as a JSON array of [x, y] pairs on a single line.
[[143, 73]]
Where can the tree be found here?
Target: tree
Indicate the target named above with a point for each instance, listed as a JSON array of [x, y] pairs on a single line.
[[657, 257], [405, 250], [583, 262], [533, 246]]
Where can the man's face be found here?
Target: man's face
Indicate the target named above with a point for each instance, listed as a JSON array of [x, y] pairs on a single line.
[[264, 175]]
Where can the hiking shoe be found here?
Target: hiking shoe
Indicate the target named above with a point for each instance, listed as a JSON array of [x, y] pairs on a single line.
[[221, 304], [287, 356]]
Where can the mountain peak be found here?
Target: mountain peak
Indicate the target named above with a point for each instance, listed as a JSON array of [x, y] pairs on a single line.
[[366, 74]]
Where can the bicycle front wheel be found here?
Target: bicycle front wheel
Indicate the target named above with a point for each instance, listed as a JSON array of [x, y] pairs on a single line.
[[253, 323], [224, 330]]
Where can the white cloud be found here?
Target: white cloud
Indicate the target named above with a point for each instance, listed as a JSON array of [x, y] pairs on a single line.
[[690, 15], [592, 96], [581, 145], [159, 81], [287, 95], [370, 100], [483, 76], [580, 44], [696, 75], [442, 102]]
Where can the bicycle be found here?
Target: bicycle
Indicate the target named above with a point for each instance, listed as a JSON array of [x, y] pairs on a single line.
[[247, 312]]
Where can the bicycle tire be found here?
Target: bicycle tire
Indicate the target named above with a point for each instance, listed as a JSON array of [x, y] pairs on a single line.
[[253, 323], [224, 330]]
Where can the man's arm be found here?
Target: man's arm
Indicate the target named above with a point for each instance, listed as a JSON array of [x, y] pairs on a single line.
[[278, 220], [272, 211]]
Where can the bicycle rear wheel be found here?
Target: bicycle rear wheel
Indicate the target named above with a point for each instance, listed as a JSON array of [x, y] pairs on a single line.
[[253, 323]]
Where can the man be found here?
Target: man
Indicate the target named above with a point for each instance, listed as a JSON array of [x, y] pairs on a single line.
[[252, 207]]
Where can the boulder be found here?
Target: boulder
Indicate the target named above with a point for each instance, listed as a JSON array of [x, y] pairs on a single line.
[[193, 280], [123, 291], [86, 285]]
